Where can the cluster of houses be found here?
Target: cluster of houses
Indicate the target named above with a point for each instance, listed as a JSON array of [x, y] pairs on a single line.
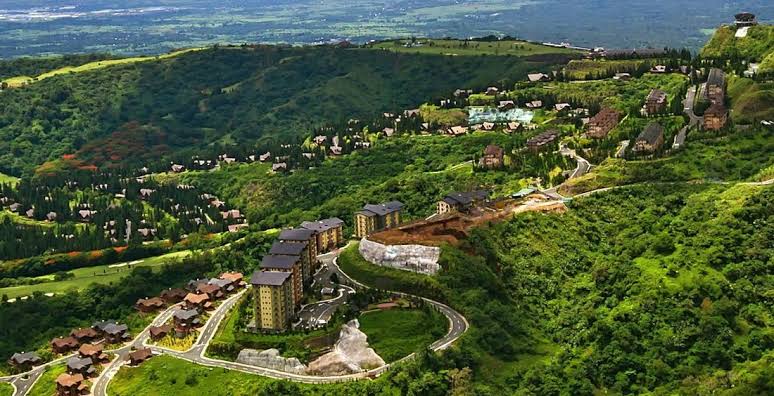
[[88, 346], [287, 269], [716, 116], [198, 297]]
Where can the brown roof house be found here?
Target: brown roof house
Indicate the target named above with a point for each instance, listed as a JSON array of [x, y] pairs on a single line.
[[159, 332], [716, 116], [236, 278], [70, 385], [139, 356], [493, 157], [93, 352], [197, 301], [64, 345], [212, 290], [172, 296], [650, 139], [602, 123], [149, 304], [85, 334], [185, 320]]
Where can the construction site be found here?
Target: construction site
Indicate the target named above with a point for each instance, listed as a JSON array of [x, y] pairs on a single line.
[[454, 226]]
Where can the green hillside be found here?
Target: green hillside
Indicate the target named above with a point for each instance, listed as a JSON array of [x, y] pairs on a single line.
[[234, 94], [758, 44], [750, 101]]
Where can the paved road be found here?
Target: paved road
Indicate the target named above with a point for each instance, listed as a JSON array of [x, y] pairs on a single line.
[[310, 315]]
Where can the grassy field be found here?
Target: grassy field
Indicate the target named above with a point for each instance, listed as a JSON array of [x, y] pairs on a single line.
[[758, 44], [85, 276], [46, 384], [579, 69], [470, 48], [6, 179], [396, 333], [15, 82], [750, 101], [6, 389]]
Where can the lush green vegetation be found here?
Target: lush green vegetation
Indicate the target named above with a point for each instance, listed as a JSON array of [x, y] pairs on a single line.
[[46, 384], [6, 389], [750, 100], [656, 254], [758, 44], [707, 157], [31, 323], [417, 170], [272, 91], [36, 66], [81, 278], [396, 333], [469, 47]]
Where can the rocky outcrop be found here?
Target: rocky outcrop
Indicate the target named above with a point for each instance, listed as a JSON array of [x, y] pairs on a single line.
[[350, 354], [270, 359], [414, 258]]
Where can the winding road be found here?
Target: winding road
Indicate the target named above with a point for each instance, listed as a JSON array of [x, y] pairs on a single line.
[[458, 325]]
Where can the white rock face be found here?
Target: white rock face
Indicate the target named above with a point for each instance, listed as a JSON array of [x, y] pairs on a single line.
[[350, 354], [414, 258], [270, 359]]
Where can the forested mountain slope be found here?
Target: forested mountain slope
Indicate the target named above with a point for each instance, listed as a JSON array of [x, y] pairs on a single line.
[[232, 95]]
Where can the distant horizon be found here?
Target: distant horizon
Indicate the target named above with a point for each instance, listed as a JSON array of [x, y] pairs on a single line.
[[147, 27]]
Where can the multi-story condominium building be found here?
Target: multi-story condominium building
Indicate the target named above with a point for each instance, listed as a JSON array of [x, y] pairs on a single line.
[[655, 103], [273, 300], [301, 235], [602, 123], [716, 86], [330, 233], [295, 249], [650, 139], [461, 201], [716, 116], [289, 264], [377, 217]]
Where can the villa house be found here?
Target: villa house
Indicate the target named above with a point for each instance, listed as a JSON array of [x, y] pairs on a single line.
[[93, 352], [139, 356], [505, 105], [535, 104], [197, 301], [84, 335], [70, 385], [461, 201], [80, 365], [213, 291], [64, 345], [147, 305], [492, 91], [173, 296], [24, 360], [650, 139], [377, 217], [159, 332], [116, 333], [185, 320], [538, 77]]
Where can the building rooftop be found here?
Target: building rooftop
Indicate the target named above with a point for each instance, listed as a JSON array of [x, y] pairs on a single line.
[[322, 225], [280, 248], [185, 314], [382, 209], [656, 95], [296, 234], [267, 278], [279, 262], [717, 109], [716, 77], [466, 198], [76, 363], [651, 133]]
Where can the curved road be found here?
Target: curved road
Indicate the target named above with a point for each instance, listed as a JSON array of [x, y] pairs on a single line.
[[457, 326]]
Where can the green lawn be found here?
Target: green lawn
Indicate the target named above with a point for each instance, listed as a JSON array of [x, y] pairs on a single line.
[[85, 276], [6, 389], [8, 179], [46, 384], [469, 48], [396, 333], [21, 80], [165, 375]]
